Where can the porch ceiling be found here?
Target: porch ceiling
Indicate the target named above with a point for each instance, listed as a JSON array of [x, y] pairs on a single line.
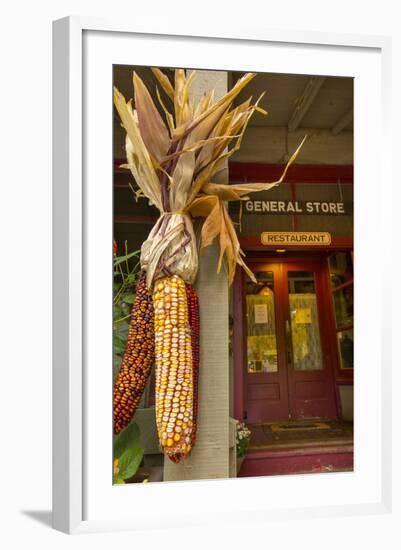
[[323, 102]]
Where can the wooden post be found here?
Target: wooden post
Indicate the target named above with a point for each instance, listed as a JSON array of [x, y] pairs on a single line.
[[210, 456]]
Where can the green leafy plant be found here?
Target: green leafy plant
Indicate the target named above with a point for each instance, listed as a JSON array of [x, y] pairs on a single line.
[[128, 453]]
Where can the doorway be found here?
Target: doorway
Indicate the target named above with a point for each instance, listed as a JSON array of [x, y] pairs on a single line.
[[289, 368]]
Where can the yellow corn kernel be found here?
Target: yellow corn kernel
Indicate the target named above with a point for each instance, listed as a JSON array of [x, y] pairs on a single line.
[[174, 369]]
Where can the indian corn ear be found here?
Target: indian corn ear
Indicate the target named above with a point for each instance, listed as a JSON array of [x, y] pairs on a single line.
[[174, 368], [137, 360], [194, 321]]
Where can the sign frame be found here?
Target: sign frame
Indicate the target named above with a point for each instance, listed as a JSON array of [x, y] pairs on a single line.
[[295, 238]]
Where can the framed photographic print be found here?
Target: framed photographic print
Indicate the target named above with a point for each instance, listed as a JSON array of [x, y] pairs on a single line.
[[213, 235]]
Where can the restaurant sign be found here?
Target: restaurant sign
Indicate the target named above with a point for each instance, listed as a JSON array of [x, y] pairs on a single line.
[[295, 238]]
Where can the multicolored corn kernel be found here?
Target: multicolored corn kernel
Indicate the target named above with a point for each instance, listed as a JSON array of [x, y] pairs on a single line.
[[194, 321], [174, 367], [137, 360]]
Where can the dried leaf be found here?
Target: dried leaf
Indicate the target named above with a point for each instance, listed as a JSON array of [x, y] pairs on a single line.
[[212, 225], [169, 116], [204, 103], [202, 206], [224, 127], [206, 174], [219, 224], [138, 157], [170, 248], [199, 145], [188, 105], [181, 181], [237, 191], [234, 121], [164, 82], [179, 77], [141, 177], [202, 125], [153, 130], [234, 192], [229, 244]]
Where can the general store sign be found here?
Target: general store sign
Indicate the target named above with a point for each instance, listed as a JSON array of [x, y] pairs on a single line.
[[320, 208], [295, 238]]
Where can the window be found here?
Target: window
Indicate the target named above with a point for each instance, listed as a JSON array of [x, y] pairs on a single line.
[[341, 265], [261, 338], [305, 333]]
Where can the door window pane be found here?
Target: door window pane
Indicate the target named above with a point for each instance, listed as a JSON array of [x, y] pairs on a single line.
[[341, 268], [261, 338], [304, 321], [345, 341], [344, 305]]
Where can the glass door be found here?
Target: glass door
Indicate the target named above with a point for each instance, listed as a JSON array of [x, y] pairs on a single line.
[[288, 364], [309, 368], [267, 392]]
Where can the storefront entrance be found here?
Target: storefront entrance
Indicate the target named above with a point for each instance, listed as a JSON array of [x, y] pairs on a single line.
[[289, 368]]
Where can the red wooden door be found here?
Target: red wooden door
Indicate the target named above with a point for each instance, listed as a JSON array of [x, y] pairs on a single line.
[[266, 375], [289, 369], [309, 365]]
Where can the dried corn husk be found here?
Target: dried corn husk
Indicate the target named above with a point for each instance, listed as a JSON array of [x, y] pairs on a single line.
[[174, 166]]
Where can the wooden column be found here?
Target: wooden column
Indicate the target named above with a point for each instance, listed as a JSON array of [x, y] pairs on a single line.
[[210, 456]]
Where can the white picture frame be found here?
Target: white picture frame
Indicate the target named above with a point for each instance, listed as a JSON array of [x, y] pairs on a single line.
[[79, 484]]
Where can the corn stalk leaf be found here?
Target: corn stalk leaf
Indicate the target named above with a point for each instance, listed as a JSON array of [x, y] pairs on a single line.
[[219, 224], [169, 116], [153, 130], [164, 82], [181, 181], [138, 156], [201, 126]]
